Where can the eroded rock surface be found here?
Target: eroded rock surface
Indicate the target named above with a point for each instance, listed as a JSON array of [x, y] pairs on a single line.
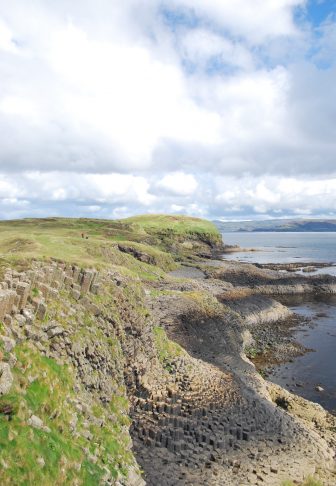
[[200, 413]]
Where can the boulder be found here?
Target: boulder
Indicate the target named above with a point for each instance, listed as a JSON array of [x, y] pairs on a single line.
[[55, 331], [35, 422], [6, 378], [8, 343]]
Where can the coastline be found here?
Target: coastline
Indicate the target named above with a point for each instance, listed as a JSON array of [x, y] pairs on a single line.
[[194, 409], [263, 306], [237, 249], [213, 318]]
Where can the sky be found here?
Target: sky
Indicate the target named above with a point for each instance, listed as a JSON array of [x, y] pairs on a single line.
[[224, 109]]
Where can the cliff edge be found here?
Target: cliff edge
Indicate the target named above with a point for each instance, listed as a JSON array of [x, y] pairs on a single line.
[[117, 369]]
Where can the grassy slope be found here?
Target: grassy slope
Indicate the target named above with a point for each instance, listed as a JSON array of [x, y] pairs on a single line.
[[31, 456], [157, 223], [61, 237]]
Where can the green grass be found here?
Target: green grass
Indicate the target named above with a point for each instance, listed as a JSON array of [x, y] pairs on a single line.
[[251, 352], [49, 396], [61, 238], [167, 350], [206, 303], [156, 223], [45, 388], [160, 258]]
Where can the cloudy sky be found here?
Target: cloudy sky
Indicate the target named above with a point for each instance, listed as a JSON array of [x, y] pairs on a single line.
[[215, 108]]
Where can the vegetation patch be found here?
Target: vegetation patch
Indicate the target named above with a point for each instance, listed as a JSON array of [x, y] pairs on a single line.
[[206, 303], [167, 350], [52, 453], [158, 223], [282, 402]]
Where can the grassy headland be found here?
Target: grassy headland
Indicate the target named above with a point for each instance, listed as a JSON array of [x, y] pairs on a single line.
[[94, 242]]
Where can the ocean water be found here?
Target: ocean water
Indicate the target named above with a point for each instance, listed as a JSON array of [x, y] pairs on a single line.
[[285, 248], [316, 367]]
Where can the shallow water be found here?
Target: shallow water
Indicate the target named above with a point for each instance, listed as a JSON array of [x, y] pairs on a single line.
[[318, 367], [315, 368], [284, 248]]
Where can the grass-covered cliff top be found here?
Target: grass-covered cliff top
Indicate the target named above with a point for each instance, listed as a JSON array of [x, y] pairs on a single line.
[[51, 418], [180, 225], [93, 242]]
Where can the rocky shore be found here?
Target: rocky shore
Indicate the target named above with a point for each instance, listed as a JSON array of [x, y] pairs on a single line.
[[138, 363], [236, 249], [222, 332], [306, 267]]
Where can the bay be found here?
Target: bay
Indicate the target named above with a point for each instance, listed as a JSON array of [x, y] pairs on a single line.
[[276, 247], [305, 374]]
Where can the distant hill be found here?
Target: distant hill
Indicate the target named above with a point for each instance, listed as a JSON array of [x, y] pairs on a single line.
[[282, 225]]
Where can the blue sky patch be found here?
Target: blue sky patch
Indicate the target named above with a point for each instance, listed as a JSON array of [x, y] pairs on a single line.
[[317, 11]]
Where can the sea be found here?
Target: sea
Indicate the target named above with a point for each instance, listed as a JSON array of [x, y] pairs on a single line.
[[307, 374]]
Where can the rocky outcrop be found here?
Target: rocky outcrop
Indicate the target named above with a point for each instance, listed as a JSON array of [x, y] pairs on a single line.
[[249, 279], [172, 351], [41, 313], [139, 255], [258, 309], [218, 413]]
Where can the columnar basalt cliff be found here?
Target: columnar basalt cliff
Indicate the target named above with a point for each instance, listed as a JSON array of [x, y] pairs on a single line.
[[115, 370]]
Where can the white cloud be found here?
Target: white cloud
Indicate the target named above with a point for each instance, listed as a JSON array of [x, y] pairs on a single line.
[[274, 194], [109, 108], [202, 45], [256, 20], [178, 183], [113, 97], [6, 38], [63, 186]]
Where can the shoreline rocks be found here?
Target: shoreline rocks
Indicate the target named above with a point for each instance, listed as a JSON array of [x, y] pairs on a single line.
[[201, 414]]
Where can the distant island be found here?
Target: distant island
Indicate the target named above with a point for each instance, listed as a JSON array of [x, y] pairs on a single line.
[[280, 225]]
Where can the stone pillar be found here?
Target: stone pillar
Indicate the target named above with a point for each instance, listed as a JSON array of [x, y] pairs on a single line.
[[3, 304], [22, 289], [86, 281], [76, 272]]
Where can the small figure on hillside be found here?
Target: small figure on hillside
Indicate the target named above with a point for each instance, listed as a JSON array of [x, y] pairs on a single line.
[[82, 235]]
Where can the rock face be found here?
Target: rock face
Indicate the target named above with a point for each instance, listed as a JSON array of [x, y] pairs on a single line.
[[139, 255], [216, 425], [80, 334], [200, 414], [258, 309]]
